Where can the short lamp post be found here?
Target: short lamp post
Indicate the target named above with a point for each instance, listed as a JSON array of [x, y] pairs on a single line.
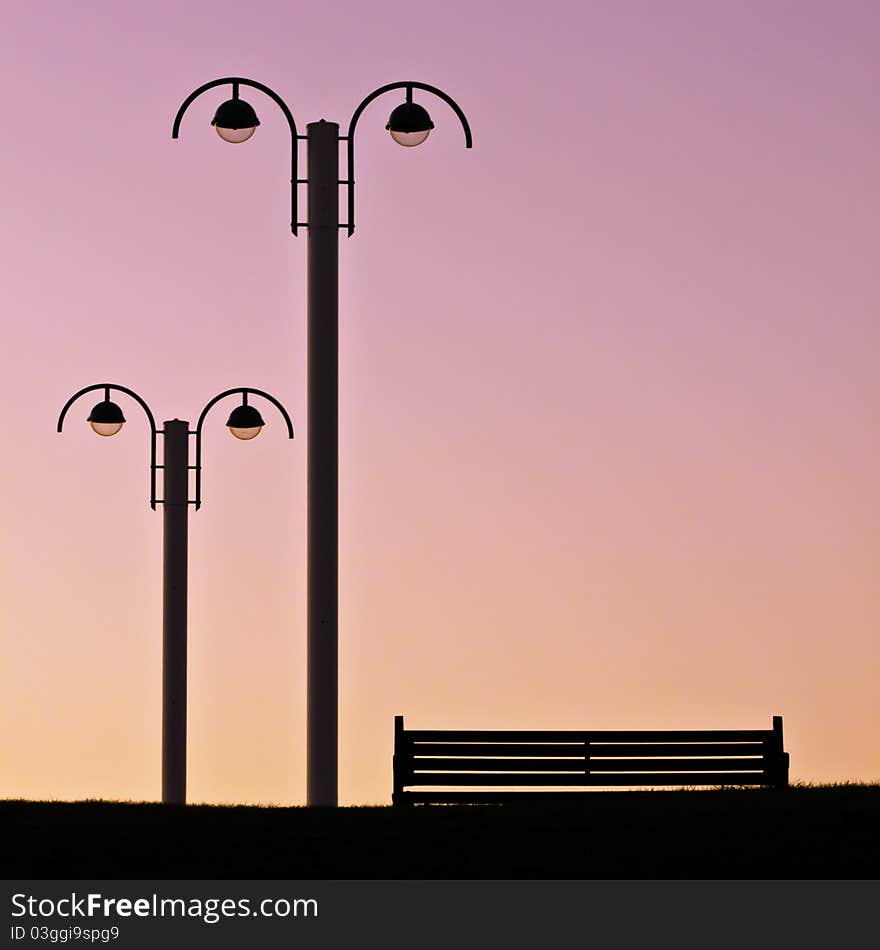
[[245, 423], [235, 121]]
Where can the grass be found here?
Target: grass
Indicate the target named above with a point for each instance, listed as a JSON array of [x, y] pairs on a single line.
[[806, 832]]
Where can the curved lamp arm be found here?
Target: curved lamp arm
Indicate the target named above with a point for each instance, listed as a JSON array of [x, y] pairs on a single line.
[[244, 390], [129, 392], [409, 86], [235, 82]]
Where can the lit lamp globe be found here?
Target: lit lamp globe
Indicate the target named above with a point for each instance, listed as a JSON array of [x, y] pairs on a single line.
[[245, 423], [235, 121], [409, 124], [106, 418]]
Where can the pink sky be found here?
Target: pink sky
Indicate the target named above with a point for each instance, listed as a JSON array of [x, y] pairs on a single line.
[[609, 382]]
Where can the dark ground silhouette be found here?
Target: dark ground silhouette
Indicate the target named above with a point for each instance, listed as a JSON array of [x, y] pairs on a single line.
[[802, 832]]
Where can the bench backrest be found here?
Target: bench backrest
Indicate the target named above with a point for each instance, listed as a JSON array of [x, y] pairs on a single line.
[[463, 758]]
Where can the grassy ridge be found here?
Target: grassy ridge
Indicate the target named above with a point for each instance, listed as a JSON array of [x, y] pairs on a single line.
[[804, 832]]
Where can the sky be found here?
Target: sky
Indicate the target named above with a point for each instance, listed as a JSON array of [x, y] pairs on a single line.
[[609, 449]]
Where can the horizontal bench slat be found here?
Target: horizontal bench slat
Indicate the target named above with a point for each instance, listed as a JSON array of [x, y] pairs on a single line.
[[499, 765], [560, 779], [579, 765], [667, 749], [577, 749], [497, 748], [665, 735], [673, 765]]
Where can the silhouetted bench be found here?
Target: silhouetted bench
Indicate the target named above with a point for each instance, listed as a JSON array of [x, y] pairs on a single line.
[[564, 765]]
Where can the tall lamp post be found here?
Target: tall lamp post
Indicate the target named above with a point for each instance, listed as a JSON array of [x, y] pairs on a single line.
[[409, 124], [245, 423]]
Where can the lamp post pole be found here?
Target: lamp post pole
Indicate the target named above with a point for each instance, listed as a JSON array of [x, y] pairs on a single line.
[[245, 423], [235, 121], [176, 525], [323, 463]]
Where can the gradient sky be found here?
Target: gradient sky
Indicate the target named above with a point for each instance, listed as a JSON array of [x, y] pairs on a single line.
[[609, 381]]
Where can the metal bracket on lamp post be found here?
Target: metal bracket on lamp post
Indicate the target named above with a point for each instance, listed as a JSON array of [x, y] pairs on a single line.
[[349, 138], [153, 432], [295, 181], [235, 82], [244, 390]]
